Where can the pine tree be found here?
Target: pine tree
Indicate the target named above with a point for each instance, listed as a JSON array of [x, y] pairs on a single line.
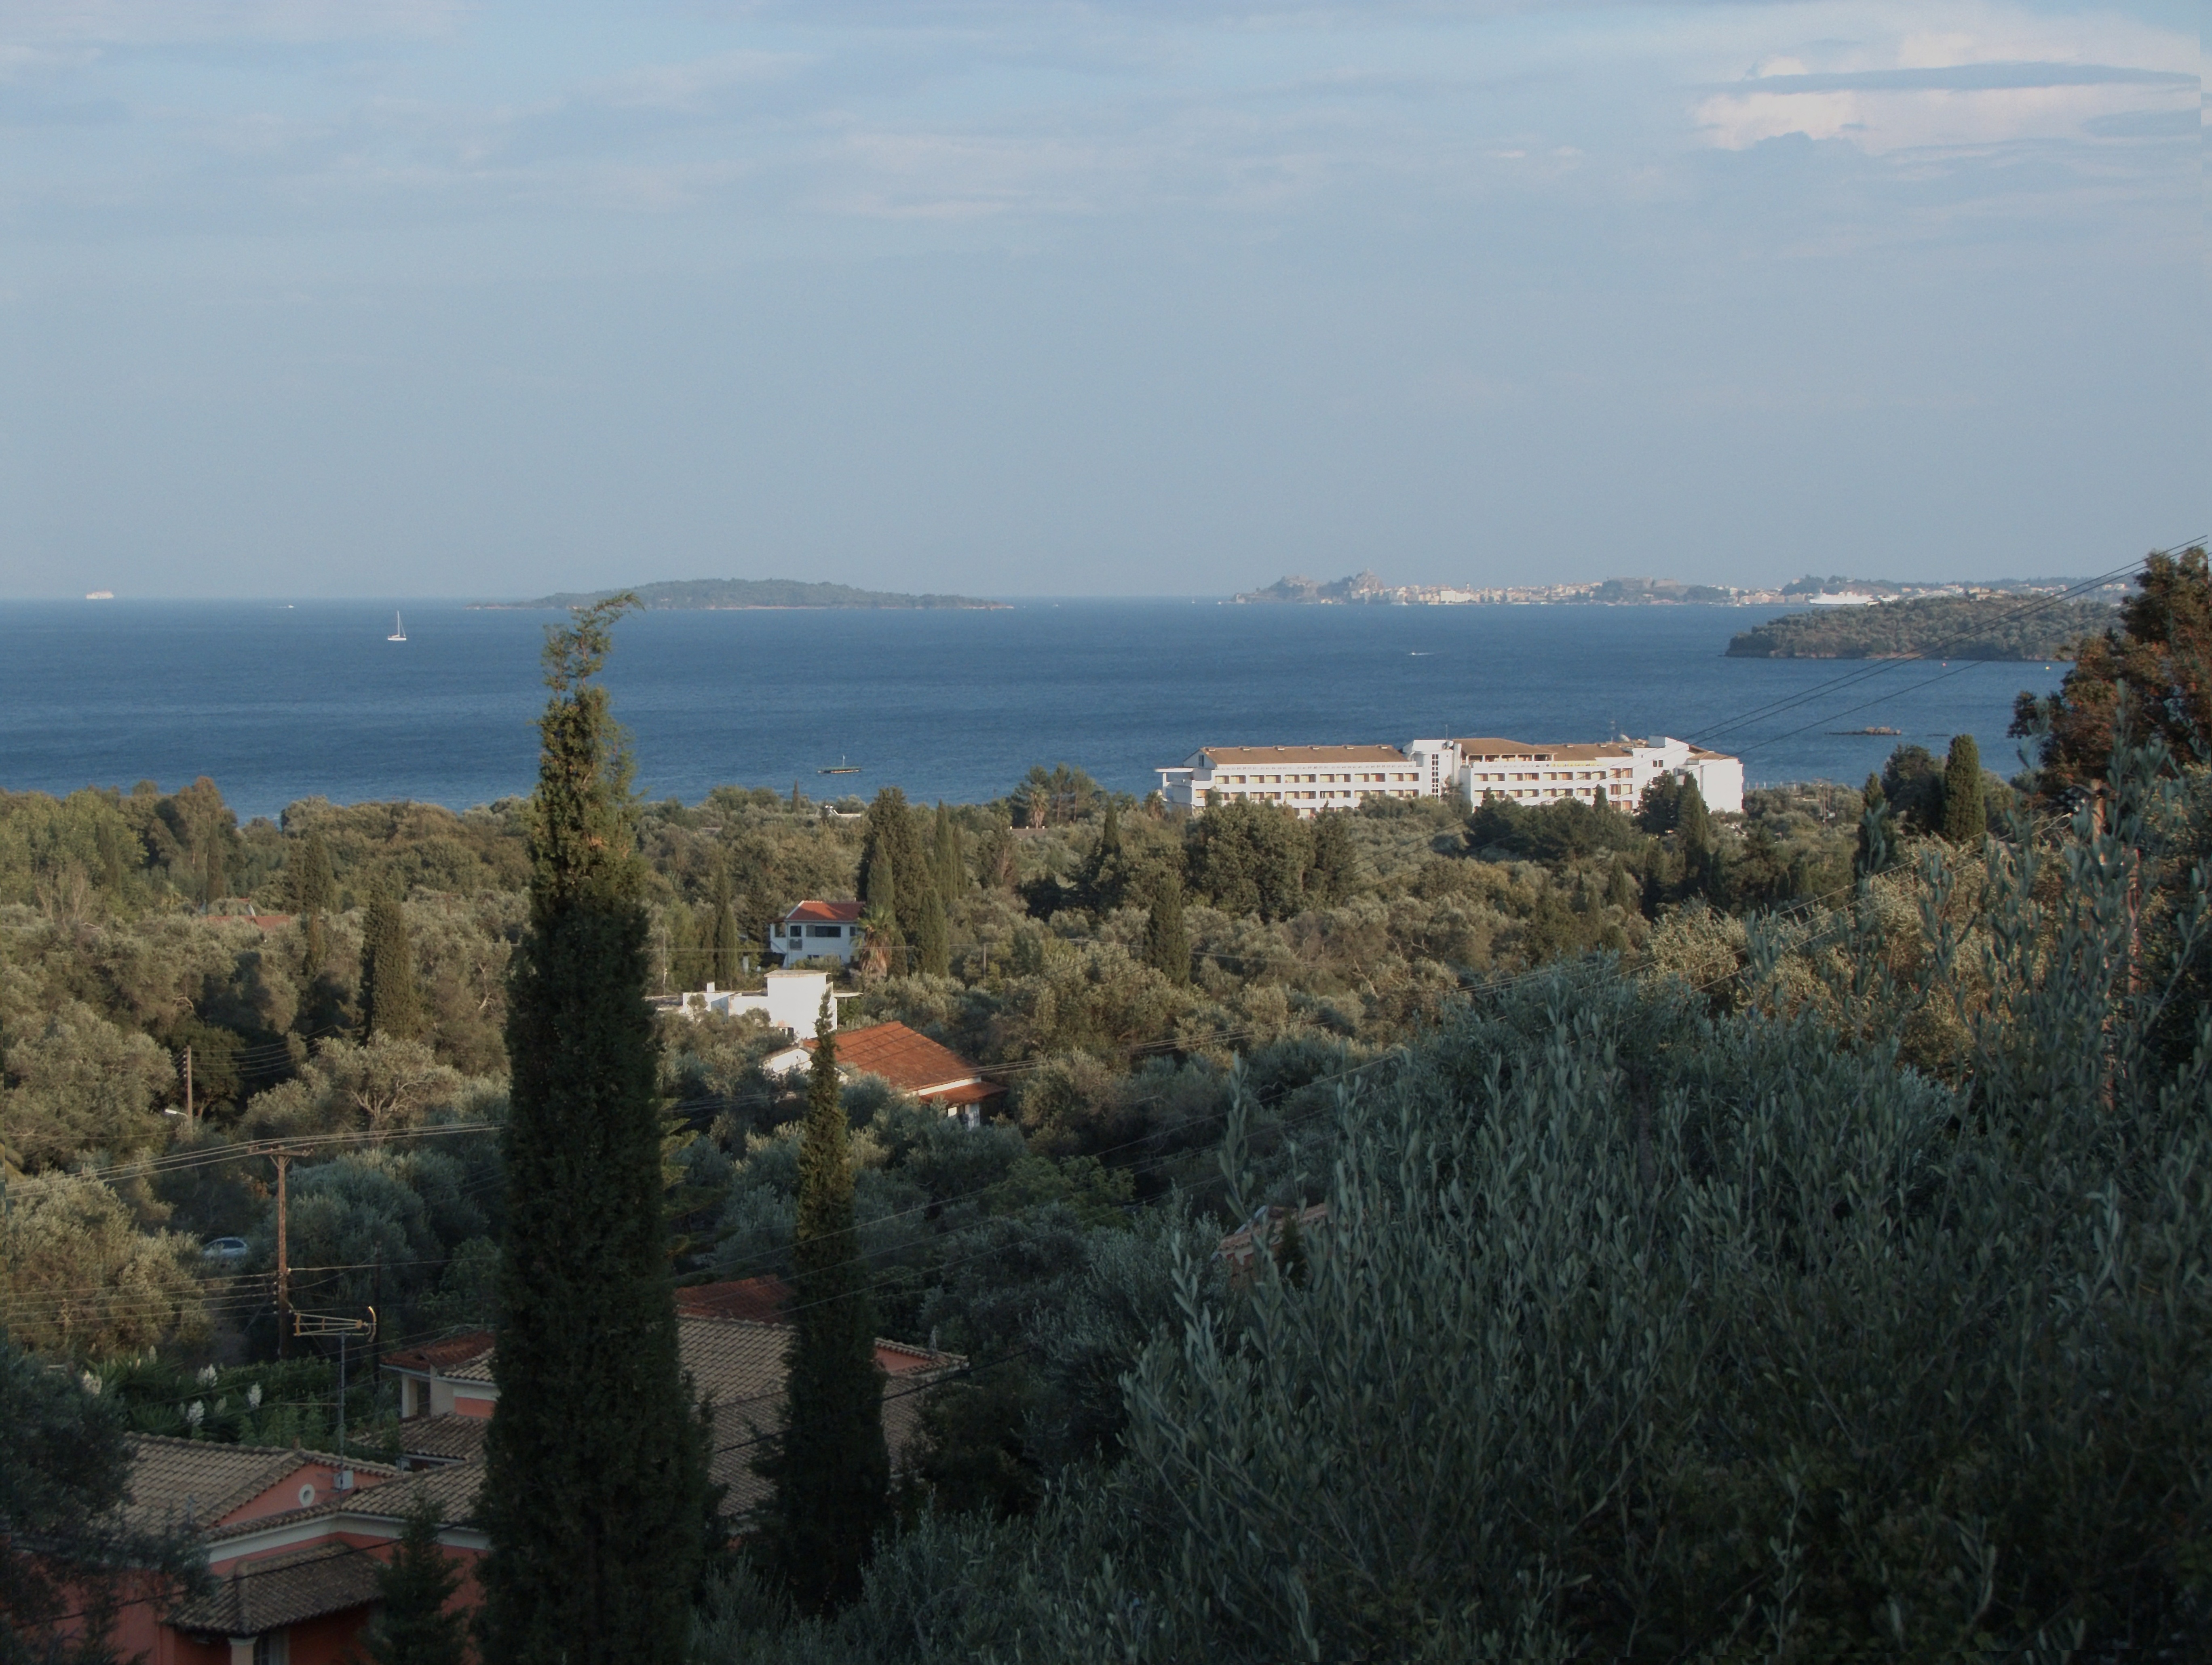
[[594, 1494], [1877, 847], [829, 1467], [723, 942], [314, 893], [1167, 947], [390, 1003], [1966, 810], [413, 1626]]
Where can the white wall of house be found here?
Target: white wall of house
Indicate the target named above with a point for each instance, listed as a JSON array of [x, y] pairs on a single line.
[[808, 938], [791, 1001]]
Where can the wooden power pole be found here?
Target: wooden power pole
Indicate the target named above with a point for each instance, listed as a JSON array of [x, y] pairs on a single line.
[[283, 1161]]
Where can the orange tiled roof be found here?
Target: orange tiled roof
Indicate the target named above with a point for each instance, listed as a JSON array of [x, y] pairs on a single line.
[[842, 913], [442, 1356], [272, 1591], [174, 1480], [1235, 755], [761, 1300], [909, 1061]]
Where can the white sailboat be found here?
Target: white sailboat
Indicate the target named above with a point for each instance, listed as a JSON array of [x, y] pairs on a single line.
[[398, 630]]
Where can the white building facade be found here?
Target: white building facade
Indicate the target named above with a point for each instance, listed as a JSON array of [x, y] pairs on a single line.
[[792, 1001], [1613, 771], [815, 930], [1310, 780]]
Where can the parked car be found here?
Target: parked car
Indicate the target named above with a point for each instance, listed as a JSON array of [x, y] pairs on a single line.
[[224, 1249]]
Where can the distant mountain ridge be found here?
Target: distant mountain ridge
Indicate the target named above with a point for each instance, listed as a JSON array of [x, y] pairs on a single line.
[[732, 594]]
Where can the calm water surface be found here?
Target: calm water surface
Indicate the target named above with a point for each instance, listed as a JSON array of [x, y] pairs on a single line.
[[281, 703]]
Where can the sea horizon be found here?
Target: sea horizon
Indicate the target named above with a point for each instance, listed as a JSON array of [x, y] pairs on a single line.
[[280, 702]]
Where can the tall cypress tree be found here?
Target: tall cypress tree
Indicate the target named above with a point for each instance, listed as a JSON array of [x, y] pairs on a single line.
[[390, 1003], [722, 939], [595, 1492], [1966, 810], [1167, 946], [1693, 829], [933, 942], [1103, 875], [1877, 847], [828, 1465], [314, 893], [952, 859]]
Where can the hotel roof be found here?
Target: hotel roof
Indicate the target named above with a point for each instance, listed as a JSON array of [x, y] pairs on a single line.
[[1248, 756]]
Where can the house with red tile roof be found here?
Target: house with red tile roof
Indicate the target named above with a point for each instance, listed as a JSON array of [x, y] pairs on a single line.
[[736, 1363], [293, 1541], [763, 1300], [815, 929], [908, 1059]]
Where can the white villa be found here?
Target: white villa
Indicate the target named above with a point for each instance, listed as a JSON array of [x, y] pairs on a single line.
[[1313, 778], [818, 928]]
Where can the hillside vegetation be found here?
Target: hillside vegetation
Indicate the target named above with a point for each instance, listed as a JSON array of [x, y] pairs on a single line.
[[1932, 627]]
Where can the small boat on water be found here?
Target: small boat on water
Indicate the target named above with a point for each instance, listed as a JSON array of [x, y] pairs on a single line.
[[842, 768], [398, 630]]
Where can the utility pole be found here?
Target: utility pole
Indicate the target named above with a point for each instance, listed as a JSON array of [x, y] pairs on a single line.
[[283, 1161], [188, 1085]]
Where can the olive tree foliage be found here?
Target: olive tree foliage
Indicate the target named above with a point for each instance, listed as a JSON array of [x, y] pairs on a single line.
[[379, 1085], [79, 1083], [78, 1278], [1649, 1326]]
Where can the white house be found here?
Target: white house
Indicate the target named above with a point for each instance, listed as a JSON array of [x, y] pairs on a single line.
[[792, 1001], [816, 929], [1306, 778]]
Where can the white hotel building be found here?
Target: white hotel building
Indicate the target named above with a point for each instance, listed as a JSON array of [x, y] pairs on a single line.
[[1312, 778]]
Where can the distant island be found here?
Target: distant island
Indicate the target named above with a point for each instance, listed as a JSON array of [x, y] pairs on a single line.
[[720, 595], [1936, 627]]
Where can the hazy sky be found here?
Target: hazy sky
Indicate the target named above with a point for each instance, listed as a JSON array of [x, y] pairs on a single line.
[[401, 296]]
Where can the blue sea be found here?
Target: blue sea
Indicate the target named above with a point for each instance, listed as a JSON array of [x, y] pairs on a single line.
[[278, 703]]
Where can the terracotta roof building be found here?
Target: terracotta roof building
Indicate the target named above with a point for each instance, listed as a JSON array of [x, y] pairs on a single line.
[[904, 1058], [293, 1538], [817, 927], [762, 1300], [738, 1364]]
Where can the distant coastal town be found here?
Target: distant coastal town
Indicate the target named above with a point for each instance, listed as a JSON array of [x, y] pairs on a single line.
[[1364, 589]]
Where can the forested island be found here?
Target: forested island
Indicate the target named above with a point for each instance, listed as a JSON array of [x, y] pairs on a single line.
[[1932, 627], [1420, 1232], [730, 594]]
